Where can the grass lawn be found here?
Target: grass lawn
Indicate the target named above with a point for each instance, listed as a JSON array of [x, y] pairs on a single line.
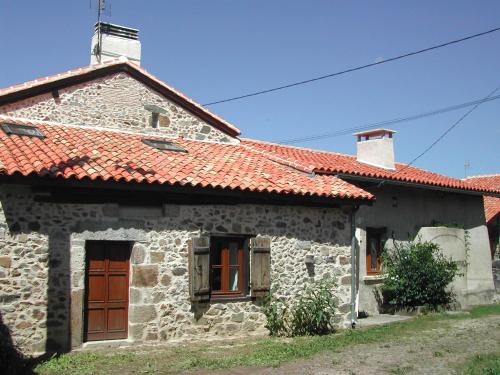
[[260, 352], [488, 364]]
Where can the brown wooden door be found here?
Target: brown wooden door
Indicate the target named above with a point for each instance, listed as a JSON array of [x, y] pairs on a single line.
[[107, 280]]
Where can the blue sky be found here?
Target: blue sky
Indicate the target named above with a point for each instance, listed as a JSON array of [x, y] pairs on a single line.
[[215, 49]]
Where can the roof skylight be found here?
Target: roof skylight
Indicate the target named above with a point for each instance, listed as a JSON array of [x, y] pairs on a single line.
[[16, 129], [164, 145]]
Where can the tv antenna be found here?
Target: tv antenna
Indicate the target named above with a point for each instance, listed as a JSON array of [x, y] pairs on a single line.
[[466, 166], [102, 9]]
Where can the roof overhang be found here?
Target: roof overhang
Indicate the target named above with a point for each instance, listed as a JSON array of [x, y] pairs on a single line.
[[91, 191], [382, 181]]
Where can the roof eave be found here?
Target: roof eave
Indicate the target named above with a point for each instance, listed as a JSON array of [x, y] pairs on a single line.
[[241, 196], [346, 176]]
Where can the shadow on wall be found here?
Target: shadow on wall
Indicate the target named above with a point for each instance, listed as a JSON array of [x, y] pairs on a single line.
[[12, 361], [52, 265], [58, 294]]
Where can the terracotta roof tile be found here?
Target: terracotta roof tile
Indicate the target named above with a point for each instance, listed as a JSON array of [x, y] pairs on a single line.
[[491, 204], [334, 163], [97, 154]]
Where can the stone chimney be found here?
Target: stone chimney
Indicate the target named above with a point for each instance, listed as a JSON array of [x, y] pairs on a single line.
[[376, 147], [116, 41]]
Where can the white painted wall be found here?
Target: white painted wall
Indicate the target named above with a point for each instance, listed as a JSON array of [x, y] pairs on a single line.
[[404, 211]]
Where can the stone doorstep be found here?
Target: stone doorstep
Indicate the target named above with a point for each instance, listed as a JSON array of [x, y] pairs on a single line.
[[186, 341], [104, 344]]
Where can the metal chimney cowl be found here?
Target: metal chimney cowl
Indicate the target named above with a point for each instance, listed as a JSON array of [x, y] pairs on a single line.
[[116, 41]]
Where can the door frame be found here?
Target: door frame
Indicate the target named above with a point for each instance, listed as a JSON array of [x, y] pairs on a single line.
[[128, 247]]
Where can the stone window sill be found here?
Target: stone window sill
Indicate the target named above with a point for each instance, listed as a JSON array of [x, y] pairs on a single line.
[[220, 299], [374, 279]]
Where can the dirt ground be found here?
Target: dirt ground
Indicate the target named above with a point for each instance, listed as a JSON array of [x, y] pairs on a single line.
[[436, 351]]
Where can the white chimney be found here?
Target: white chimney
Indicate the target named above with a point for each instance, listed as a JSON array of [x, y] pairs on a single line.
[[115, 41], [376, 147]]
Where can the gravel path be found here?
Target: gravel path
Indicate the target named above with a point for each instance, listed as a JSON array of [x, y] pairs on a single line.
[[435, 351]]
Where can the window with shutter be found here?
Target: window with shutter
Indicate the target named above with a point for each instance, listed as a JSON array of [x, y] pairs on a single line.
[[260, 279], [220, 267]]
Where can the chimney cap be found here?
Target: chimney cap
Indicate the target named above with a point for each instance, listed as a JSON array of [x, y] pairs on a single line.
[[375, 133], [117, 30]]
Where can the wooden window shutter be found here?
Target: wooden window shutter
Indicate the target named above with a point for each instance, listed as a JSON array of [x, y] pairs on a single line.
[[260, 267], [199, 268]]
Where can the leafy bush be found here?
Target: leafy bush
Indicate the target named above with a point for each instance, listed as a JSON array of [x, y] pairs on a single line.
[[418, 274], [275, 310], [311, 314]]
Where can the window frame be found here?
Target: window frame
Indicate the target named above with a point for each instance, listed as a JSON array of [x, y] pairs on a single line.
[[222, 243], [377, 234]]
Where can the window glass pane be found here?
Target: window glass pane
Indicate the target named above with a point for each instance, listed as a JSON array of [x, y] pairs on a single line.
[[233, 279], [373, 253], [216, 255], [233, 253], [216, 279]]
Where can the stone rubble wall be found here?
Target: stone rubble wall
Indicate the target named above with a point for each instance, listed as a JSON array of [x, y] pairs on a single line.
[[115, 101], [42, 265]]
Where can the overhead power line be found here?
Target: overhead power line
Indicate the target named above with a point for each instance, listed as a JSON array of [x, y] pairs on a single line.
[[453, 126], [350, 70], [379, 124]]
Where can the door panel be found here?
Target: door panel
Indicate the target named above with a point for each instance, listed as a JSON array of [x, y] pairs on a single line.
[[97, 288], [107, 280]]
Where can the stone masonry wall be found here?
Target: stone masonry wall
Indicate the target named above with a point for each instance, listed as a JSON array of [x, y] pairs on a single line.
[[42, 267], [115, 101]]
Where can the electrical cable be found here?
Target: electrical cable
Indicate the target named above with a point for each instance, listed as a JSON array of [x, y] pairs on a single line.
[[453, 126], [350, 70], [346, 131]]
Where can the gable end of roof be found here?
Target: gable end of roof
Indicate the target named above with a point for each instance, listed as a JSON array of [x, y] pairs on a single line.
[[82, 75]]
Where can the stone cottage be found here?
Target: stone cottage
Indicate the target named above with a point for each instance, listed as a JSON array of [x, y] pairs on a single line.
[[130, 212]]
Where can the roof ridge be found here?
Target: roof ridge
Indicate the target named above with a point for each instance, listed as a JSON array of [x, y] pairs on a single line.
[[295, 147], [481, 176], [281, 160], [345, 155]]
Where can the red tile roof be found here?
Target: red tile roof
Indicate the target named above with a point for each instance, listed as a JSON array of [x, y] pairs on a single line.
[[110, 155], [491, 204], [335, 163], [119, 64]]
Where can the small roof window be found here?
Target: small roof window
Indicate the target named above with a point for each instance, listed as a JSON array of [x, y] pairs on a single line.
[[16, 129], [164, 145]]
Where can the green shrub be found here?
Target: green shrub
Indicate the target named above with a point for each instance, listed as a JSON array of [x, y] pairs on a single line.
[[314, 310], [311, 313], [275, 310], [418, 275]]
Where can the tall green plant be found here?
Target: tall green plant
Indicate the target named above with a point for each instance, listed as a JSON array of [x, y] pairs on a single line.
[[311, 313], [275, 310], [314, 311], [418, 274]]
